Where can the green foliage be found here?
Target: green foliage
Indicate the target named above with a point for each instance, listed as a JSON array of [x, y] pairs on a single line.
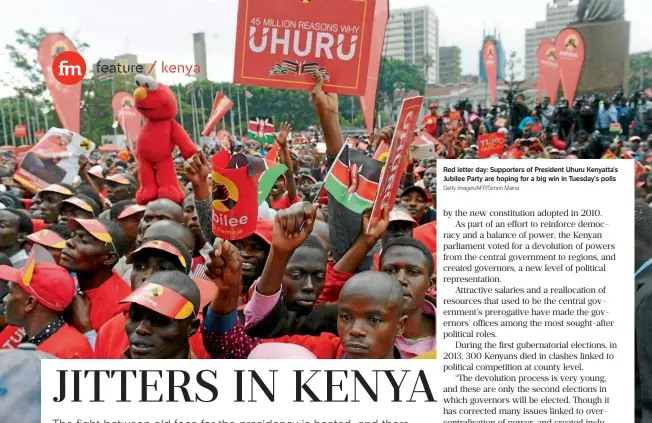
[[396, 75], [640, 72]]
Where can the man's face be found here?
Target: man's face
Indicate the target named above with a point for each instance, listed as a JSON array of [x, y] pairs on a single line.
[[308, 160], [14, 301], [4, 291], [367, 326], [429, 175], [155, 212], [432, 189], [130, 224], [433, 111], [35, 207], [304, 171], [396, 229], [252, 249], [304, 278], [408, 265], [48, 207], [190, 218], [100, 183], [519, 100], [546, 102], [152, 335], [118, 192], [84, 253], [415, 203], [70, 211], [314, 191], [150, 261], [305, 186], [279, 187], [8, 229]]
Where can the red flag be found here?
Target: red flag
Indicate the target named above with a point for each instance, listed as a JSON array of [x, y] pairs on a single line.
[[124, 107], [570, 46], [398, 157], [548, 59], [235, 196], [66, 98], [490, 67], [368, 100], [221, 106], [491, 144], [20, 131]]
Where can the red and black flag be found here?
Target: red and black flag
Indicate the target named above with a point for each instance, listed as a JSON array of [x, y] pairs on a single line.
[[353, 179]]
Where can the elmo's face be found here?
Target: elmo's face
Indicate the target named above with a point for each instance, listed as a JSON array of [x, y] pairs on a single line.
[[153, 100]]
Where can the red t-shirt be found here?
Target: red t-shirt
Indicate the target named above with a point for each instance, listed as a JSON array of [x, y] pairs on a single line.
[[324, 346], [67, 342], [105, 300], [38, 225], [429, 123], [285, 202], [11, 337], [111, 341]]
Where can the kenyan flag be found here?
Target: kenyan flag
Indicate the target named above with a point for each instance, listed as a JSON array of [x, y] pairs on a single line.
[[271, 173], [261, 130], [353, 179]]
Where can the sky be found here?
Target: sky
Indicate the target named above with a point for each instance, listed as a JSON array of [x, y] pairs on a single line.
[[162, 29]]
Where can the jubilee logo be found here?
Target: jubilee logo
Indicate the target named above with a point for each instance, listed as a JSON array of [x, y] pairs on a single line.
[[225, 193]]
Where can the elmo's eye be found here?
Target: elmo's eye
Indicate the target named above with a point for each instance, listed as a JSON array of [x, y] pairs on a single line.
[[147, 85]]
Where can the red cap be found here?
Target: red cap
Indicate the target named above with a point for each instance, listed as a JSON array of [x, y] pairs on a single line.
[[47, 238], [131, 210], [78, 202], [433, 106], [264, 230], [58, 189], [50, 284], [119, 179], [92, 226], [401, 216], [165, 247]]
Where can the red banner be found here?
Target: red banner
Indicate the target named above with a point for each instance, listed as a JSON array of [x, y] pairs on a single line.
[[66, 98], [490, 58], [283, 43], [235, 196], [397, 160], [570, 47], [20, 131], [548, 59], [368, 100], [124, 107], [221, 106], [20, 152], [491, 144]]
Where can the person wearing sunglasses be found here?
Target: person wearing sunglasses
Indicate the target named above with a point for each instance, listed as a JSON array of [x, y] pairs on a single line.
[[162, 317], [91, 252]]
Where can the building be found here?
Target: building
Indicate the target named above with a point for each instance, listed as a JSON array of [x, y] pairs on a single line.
[[559, 14], [411, 35], [500, 54], [450, 65], [470, 79], [199, 47]]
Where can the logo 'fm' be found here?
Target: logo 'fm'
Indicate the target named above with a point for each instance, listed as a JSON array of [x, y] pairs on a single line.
[[225, 193], [68, 66]]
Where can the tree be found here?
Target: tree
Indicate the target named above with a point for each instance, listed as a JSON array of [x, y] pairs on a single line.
[[427, 62], [513, 85], [640, 72], [397, 77]]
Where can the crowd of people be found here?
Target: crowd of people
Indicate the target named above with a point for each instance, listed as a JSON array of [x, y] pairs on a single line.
[[82, 263]]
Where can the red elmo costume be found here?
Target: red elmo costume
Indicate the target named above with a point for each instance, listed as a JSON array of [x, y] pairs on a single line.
[[157, 140]]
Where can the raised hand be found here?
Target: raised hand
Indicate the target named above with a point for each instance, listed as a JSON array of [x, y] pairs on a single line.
[[225, 270], [293, 225], [282, 137], [324, 103], [378, 225], [83, 163], [197, 168]]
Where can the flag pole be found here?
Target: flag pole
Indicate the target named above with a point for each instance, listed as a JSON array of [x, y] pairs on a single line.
[[231, 113], [237, 90], [11, 126], [246, 106], [180, 109], [20, 117], [4, 125], [201, 101], [193, 106], [30, 139], [45, 118], [37, 123]]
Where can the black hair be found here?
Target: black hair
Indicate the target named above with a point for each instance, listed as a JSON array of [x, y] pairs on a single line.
[[180, 283], [313, 242], [119, 207], [133, 183], [181, 232], [185, 252], [90, 193], [9, 199], [404, 241], [386, 284], [120, 163], [118, 236], [639, 192], [643, 222], [5, 260], [24, 220], [61, 230], [94, 206]]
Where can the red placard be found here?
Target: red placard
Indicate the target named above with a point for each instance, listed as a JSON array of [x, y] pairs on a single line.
[[454, 116], [66, 98], [397, 160], [547, 56], [570, 46], [491, 144], [124, 107], [368, 101], [490, 58], [221, 106], [20, 131], [20, 152], [283, 43]]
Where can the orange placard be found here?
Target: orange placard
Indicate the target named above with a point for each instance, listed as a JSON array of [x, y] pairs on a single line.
[[500, 122], [491, 144], [20, 131], [283, 43], [454, 116], [221, 106], [397, 159], [547, 58], [490, 58], [570, 46], [368, 101]]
